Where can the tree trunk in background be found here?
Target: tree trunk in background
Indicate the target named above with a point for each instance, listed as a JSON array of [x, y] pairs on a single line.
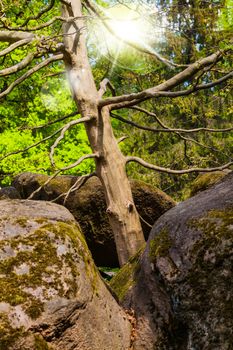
[[110, 163]]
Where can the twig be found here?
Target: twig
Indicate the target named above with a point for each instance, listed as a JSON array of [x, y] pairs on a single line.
[[64, 129], [50, 123], [79, 161]]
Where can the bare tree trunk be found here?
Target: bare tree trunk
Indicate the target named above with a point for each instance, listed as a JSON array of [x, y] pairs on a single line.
[[110, 163]]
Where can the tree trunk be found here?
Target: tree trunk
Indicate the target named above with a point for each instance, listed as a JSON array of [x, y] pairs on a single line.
[[110, 163]]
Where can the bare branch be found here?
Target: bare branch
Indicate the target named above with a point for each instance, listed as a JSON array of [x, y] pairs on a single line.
[[77, 185], [121, 139], [39, 14], [51, 21], [172, 171], [103, 87], [31, 146], [165, 127], [17, 67], [162, 89], [64, 129], [14, 46], [13, 36], [30, 72], [50, 123]]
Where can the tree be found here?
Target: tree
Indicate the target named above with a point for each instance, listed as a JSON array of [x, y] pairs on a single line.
[[34, 39]]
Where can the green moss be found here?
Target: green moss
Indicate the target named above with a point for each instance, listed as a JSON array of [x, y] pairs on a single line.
[[216, 227], [35, 309], [43, 262], [71, 230], [40, 343], [216, 224], [126, 278], [204, 181], [160, 245], [21, 221], [8, 334], [60, 184]]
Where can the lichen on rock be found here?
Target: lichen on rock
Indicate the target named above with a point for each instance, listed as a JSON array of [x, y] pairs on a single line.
[[51, 294]]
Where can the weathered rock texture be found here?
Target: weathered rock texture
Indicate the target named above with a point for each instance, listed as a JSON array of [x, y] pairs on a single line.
[[89, 208], [182, 288], [51, 295]]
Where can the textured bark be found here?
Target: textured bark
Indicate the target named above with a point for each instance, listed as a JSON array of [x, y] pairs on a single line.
[[110, 163]]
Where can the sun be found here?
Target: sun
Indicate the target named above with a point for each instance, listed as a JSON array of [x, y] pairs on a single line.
[[127, 24], [125, 31]]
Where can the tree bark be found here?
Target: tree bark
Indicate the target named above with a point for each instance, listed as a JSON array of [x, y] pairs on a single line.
[[110, 163]]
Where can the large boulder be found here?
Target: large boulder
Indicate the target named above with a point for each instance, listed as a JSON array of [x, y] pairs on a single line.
[[51, 295], [181, 288], [89, 208]]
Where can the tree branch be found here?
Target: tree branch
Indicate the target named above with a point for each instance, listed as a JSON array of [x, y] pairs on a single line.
[[14, 46], [165, 129], [50, 123], [78, 184], [172, 171], [103, 87], [19, 66], [162, 89], [36, 17], [63, 131], [30, 72], [14, 36]]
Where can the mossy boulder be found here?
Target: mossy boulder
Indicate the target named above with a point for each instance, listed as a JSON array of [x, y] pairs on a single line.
[[9, 192], [183, 291], [206, 180], [89, 208], [51, 294]]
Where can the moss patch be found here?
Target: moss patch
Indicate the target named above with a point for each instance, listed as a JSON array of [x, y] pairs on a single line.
[[126, 278], [160, 245], [204, 181], [8, 334], [40, 343], [216, 224], [39, 252]]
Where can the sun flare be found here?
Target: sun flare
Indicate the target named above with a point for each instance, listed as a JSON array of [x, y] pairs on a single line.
[[124, 30], [127, 24]]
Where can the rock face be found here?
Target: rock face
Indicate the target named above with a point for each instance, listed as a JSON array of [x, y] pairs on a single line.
[[182, 288], [89, 208], [51, 295]]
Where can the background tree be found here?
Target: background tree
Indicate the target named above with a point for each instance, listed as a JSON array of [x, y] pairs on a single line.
[[39, 42]]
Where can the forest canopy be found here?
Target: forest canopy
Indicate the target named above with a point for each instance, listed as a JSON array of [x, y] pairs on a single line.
[[135, 45]]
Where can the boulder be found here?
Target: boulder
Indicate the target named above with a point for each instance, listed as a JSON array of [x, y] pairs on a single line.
[[181, 287], [89, 208], [9, 192], [51, 294]]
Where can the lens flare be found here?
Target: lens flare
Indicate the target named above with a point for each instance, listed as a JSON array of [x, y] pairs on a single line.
[[125, 27]]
